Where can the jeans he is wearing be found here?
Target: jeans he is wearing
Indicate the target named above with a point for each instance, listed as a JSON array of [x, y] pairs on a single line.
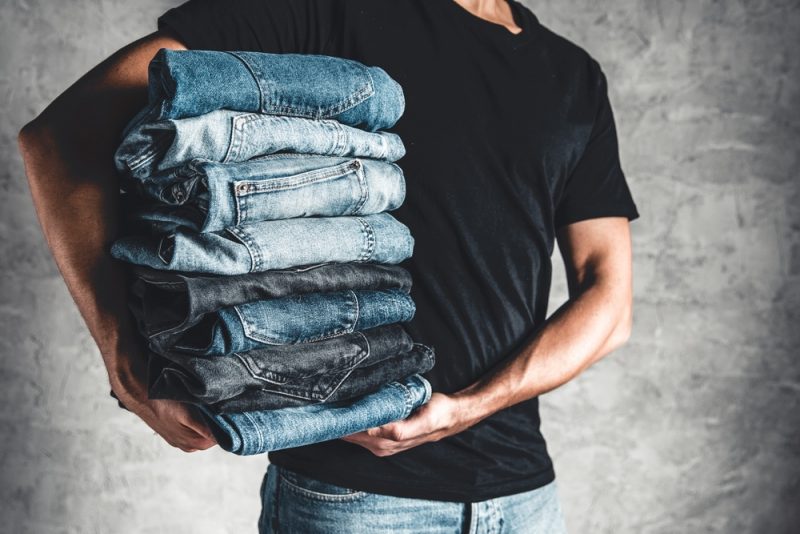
[[257, 432], [227, 136], [378, 238], [206, 196], [294, 502], [188, 83]]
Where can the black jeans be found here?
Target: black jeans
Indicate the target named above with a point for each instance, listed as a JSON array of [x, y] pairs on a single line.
[[334, 369]]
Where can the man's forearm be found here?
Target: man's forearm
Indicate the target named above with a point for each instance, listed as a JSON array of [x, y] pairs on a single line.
[[583, 330]]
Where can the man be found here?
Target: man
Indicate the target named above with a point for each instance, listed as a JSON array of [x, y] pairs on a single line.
[[511, 145]]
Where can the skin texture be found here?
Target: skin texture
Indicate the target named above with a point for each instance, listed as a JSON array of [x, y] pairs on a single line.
[[68, 151], [595, 320], [68, 154]]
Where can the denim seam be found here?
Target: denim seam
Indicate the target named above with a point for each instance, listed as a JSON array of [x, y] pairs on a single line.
[[236, 139], [256, 260], [279, 379], [360, 173], [402, 183], [255, 79], [339, 137], [257, 428], [251, 334], [358, 309], [329, 497], [244, 188], [356, 97], [296, 392], [368, 246]]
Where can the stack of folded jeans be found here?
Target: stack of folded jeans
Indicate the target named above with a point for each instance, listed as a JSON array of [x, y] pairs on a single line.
[[256, 192]]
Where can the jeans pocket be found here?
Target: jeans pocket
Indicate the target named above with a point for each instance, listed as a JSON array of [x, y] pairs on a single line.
[[317, 490], [324, 87], [329, 191]]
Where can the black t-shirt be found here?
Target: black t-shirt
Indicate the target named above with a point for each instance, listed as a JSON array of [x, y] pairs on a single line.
[[508, 137]]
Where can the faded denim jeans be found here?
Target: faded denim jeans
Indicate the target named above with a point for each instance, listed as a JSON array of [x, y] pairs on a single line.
[[294, 319], [167, 303], [206, 196], [227, 136], [295, 502], [188, 83], [281, 376], [279, 244], [257, 432]]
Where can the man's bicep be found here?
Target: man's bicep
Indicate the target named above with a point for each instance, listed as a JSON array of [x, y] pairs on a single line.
[[112, 91], [597, 250]]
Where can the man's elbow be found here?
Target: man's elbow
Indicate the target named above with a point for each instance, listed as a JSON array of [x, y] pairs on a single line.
[[30, 137], [624, 327]]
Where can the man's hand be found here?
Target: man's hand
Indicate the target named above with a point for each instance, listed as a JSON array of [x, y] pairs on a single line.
[[174, 421], [443, 415]]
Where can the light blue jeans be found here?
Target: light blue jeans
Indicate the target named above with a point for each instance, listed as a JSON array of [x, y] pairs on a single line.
[[280, 244], [294, 503], [207, 197], [226, 136], [188, 83], [294, 319]]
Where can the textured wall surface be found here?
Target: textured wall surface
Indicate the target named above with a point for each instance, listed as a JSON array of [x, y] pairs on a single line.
[[691, 427]]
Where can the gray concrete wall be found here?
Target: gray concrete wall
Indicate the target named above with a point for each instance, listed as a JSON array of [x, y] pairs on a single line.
[[691, 427]]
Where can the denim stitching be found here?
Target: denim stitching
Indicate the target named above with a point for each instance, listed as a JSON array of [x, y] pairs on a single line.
[[248, 187], [253, 334], [360, 173], [256, 260], [257, 429], [256, 79], [358, 309], [368, 247], [329, 497]]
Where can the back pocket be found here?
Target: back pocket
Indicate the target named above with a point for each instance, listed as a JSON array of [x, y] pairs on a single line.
[[304, 85], [330, 191]]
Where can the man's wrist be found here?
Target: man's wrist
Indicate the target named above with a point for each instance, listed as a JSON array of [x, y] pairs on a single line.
[[470, 407]]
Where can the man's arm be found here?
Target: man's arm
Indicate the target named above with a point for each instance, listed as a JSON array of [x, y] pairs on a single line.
[[68, 153], [595, 321]]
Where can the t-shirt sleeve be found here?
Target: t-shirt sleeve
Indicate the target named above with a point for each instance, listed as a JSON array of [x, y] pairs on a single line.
[[276, 26], [597, 186]]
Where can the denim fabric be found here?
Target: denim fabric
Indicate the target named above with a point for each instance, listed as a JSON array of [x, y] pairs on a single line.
[[378, 238], [168, 303], [293, 319], [290, 375], [365, 378], [280, 186], [231, 136], [256, 432], [188, 83], [295, 502]]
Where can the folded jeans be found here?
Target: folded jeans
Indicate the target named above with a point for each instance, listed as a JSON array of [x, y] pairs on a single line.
[[227, 136], [256, 432], [290, 375], [279, 244], [188, 83], [206, 196], [288, 320], [170, 302]]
